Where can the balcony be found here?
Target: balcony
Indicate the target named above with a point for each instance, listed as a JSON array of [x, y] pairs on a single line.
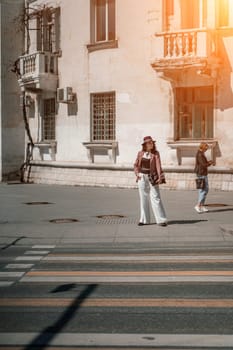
[[192, 48], [38, 71]]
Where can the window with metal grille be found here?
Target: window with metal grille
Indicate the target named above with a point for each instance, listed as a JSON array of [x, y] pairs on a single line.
[[103, 116], [48, 124], [102, 20], [194, 113]]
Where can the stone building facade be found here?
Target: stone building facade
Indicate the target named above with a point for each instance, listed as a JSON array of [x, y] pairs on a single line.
[[98, 75]]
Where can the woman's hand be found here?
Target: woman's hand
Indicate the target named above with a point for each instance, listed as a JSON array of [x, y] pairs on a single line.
[[161, 181]]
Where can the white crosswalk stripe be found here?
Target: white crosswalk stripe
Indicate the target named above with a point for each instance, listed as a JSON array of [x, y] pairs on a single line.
[[43, 246], [28, 258], [37, 252], [6, 283], [19, 266], [121, 340]]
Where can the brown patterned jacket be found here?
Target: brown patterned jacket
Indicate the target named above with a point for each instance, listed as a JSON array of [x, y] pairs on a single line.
[[155, 165]]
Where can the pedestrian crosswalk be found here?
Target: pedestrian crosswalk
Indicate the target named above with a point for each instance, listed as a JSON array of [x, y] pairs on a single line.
[[75, 300], [31, 256]]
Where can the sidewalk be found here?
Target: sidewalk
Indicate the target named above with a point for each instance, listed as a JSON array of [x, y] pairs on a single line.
[[22, 224]]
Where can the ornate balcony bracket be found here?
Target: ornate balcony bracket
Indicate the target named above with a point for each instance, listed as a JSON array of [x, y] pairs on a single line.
[[188, 148], [93, 147]]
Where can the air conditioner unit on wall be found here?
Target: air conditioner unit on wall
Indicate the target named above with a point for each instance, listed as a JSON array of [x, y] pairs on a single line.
[[65, 95]]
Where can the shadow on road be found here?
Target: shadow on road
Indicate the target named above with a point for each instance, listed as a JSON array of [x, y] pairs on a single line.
[[184, 222], [43, 340], [64, 288], [220, 210]]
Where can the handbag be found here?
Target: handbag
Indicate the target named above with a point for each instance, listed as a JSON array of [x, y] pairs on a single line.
[[200, 184], [153, 178]]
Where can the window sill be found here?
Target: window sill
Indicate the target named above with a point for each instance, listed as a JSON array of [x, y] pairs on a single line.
[[51, 146], [112, 44], [110, 146], [188, 148], [46, 143]]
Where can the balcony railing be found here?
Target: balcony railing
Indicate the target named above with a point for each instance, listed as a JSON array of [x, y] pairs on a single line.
[[35, 68], [181, 46]]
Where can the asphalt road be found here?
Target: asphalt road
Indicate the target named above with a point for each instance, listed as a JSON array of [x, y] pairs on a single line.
[[105, 283], [59, 297]]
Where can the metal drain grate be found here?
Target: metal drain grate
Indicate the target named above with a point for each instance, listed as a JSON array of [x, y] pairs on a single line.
[[115, 219], [63, 221], [38, 203]]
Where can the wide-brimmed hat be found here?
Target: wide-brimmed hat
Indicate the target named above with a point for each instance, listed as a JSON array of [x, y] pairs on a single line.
[[147, 139]]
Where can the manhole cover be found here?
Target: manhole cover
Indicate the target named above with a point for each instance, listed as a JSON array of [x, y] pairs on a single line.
[[37, 203], [216, 205], [110, 216], [63, 221]]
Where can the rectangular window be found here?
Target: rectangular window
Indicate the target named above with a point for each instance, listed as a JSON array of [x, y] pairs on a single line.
[[48, 30], [103, 116], [194, 113], [222, 13], [48, 123], [102, 20], [168, 13], [190, 14]]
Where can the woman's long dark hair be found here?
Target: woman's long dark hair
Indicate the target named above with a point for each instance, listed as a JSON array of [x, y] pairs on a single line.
[[154, 150]]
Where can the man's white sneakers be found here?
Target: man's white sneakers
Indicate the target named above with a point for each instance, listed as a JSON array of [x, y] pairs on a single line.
[[201, 209], [204, 209], [198, 209]]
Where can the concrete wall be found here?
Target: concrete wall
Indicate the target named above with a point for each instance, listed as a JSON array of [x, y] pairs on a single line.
[[12, 127], [106, 176]]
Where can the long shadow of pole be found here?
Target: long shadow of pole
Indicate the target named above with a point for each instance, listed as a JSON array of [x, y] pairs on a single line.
[[49, 333]]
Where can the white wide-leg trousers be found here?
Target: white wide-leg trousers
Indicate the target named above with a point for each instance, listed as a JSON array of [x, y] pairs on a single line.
[[146, 192]]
